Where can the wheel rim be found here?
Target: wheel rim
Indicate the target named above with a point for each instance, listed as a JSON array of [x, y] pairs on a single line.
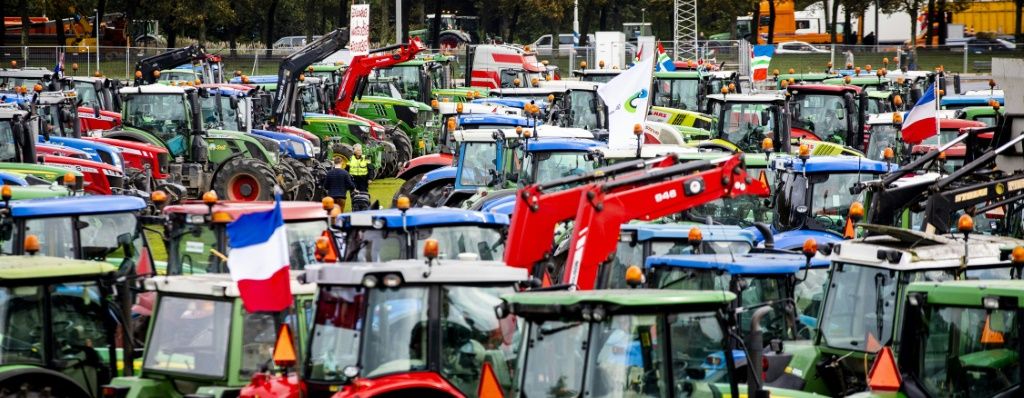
[[244, 187]]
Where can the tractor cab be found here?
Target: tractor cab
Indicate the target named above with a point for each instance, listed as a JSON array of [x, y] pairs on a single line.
[[679, 89], [787, 282], [410, 327], [202, 340], [426, 78], [526, 161], [392, 234], [494, 158], [197, 242], [802, 78], [596, 75], [958, 338], [578, 105], [98, 228], [876, 270], [630, 342], [718, 79], [880, 101], [829, 113], [957, 102], [989, 115], [884, 132], [813, 196], [744, 121], [637, 242], [60, 326]]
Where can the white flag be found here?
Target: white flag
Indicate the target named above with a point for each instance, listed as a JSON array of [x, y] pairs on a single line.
[[627, 97]]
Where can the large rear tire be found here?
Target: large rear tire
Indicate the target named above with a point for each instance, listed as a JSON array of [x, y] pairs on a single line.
[[245, 179], [303, 187], [406, 188], [403, 146], [433, 197]]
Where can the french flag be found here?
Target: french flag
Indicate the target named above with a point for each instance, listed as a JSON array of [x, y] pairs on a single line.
[[922, 122], [258, 260]]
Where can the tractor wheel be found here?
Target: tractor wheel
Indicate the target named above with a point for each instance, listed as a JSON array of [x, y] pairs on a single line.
[[38, 383], [450, 42], [434, 197], [406, 188], [286, 178], [245, 179], [403, 145], [305, 183]]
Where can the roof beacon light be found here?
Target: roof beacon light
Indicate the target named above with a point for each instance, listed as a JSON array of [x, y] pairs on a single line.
[[634, 276], [31, 244]]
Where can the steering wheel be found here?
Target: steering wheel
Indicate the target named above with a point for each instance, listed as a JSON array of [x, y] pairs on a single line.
[[826, 221]]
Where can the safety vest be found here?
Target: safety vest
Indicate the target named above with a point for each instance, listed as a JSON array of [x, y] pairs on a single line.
[[357, 167]]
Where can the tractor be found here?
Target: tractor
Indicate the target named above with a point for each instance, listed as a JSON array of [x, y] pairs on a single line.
[[958, 338], [625, 342], [404, 328], [238, 166], [196, 237], [225, 345], [393, 234], [876, 270], [827, 113], [98, 228], [60, 325]]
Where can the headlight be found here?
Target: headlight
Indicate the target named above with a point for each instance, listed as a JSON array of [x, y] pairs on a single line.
[[365, 129], [309, 147]]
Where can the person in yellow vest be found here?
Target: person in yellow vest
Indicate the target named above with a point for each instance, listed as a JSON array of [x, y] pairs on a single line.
[[359, 167]]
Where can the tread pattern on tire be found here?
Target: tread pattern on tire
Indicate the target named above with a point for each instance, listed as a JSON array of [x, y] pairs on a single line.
[[240, 165]]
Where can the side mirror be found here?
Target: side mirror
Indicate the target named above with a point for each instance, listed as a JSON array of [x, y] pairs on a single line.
[[234, 102]]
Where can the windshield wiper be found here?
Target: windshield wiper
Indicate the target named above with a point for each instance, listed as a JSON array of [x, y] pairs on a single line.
[[548, 332], [879, 303]]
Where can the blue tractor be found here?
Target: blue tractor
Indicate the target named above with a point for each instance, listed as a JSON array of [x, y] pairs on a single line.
[[812, 197], [101, 228], [776, 293], [390, 234], [492, 158]]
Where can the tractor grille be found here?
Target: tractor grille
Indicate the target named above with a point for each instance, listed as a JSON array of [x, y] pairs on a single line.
[[116, 181], [163, 162], [406, 114]]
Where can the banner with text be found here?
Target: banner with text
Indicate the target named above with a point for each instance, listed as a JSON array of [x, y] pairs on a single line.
[[359, 28]]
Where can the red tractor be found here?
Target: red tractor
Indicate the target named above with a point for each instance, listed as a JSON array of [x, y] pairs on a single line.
[[609, 197]]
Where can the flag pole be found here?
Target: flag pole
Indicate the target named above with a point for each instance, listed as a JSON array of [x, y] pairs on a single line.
[[938, 106]]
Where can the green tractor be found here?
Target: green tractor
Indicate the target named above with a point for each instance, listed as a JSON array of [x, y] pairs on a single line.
[[237, 165], [59, 327], [426, 78], [876, 271], [959, 339], [633, 342], [203, 343]]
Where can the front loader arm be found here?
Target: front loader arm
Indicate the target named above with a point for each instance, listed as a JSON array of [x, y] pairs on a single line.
[[674, 189], [293, 65], [146, 68], [362, 65], [537, 212]]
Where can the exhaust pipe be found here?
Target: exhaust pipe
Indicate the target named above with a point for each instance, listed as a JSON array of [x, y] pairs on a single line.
[[766, 234], [755, 348]]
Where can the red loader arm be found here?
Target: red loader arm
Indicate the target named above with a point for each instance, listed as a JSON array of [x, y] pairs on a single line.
[[362, 65], [537, 212], [676, 188]]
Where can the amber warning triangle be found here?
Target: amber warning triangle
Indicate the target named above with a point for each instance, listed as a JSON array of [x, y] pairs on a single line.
[[489, 387], [884, 376], [284, 351]]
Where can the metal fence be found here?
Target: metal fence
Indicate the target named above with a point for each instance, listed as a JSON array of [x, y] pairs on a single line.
[[119, 62]]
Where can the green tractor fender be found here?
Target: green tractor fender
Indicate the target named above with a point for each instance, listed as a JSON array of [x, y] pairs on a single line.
[[225, 144], [48, 173], [136, 135], [139, 387]]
